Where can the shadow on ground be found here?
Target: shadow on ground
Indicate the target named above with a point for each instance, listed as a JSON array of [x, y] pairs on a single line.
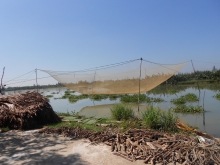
[[34, 148]]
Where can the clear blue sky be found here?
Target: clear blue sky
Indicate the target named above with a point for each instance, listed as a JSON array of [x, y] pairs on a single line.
[[79, 34]]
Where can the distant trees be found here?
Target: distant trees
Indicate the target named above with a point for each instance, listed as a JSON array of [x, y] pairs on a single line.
[[198, 75]]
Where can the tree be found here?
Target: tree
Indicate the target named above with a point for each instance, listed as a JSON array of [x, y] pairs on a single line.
[[214, 69]]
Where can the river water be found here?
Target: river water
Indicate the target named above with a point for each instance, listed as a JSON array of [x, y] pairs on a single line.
[[208, 122]]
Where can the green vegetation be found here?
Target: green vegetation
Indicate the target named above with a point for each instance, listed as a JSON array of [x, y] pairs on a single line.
[[113, 97], [191, 78], [187, 109], [49, 96], [180, 100], [75, 98], [73, 124], [4, 129], [155, 118], [122, 112], [33, 87], [98, 97], [217, 96], [133, 98], [157, 100], [143, 98], [191, 97]]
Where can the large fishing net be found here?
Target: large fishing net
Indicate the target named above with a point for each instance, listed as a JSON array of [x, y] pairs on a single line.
[[122, 78]]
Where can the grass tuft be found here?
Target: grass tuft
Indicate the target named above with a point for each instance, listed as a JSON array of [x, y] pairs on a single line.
[[156, 118], [122, 112]]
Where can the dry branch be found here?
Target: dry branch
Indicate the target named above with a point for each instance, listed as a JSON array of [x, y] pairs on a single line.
[[149, 146]]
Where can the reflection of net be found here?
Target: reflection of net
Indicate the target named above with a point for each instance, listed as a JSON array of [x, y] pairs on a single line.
[[122, 78]]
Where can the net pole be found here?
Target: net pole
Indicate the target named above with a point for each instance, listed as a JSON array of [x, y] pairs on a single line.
[[2, 86], [36, 79], [196, 81], [139, 85]]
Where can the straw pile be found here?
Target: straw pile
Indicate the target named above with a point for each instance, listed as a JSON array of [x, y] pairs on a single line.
[[26, 111]]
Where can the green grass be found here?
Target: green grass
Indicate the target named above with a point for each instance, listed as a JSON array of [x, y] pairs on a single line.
[[122, 112], [156, 118], [92, 127], [187, 109]]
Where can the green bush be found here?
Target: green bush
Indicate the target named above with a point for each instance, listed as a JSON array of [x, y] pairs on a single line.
[[156, 118], [122, 112]]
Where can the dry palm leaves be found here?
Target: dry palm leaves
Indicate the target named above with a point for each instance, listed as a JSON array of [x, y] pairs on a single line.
[[26, 111], [150, 146]]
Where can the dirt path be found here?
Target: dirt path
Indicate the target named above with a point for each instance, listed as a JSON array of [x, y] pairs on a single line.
[[33, 148]]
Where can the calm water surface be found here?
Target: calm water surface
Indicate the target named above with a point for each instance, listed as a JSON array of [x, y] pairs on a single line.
[[209, 122]]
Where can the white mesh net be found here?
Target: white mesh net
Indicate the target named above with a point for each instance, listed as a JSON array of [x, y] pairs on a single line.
[[122, 78]]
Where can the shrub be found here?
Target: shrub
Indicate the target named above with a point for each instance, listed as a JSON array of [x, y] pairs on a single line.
[[156, 118], [122, 112]]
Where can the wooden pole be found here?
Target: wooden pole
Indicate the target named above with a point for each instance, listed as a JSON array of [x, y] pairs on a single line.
[[36, 79], [139, 85], [203, 109], [196, 81], [1, 81]]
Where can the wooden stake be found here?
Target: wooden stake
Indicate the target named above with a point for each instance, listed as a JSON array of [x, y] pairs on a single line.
[[1, 81]]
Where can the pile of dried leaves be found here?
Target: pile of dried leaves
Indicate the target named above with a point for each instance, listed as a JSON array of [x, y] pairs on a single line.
[[151, 146], [26, 111]]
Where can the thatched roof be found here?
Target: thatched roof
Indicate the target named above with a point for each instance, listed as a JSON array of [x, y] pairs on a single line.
[[26, 111]]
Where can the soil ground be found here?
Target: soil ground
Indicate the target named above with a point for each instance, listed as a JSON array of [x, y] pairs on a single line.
[[30, 147]]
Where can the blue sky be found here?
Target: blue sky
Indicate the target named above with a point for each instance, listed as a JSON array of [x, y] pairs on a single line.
[[79, 34]]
